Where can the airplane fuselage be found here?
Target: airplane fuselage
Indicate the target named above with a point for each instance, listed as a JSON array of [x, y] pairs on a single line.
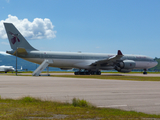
[[6, 69], [68, 60]]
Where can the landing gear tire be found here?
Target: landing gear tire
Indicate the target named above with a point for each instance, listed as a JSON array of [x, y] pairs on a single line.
[[95, 72], [145, 72], [98, 72], [76, 73], [87, 73]]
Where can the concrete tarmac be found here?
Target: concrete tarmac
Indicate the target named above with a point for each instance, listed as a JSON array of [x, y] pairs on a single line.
[[141, 96]]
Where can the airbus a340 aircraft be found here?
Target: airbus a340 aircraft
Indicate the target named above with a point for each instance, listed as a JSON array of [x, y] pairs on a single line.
[[87, 63]]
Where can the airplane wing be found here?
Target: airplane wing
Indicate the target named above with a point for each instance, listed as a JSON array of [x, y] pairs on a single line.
[[110, 60]]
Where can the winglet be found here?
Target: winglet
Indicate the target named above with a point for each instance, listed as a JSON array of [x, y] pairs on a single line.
[[119, 52]]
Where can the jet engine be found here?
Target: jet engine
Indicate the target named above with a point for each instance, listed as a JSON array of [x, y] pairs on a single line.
[[125, 66]]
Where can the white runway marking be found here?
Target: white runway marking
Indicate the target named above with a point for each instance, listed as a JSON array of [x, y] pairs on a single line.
[[112, 106]]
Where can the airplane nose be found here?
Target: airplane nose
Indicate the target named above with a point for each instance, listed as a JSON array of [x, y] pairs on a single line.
[[156, 63]]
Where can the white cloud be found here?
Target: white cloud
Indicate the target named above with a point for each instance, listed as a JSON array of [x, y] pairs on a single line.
[[37, 29], [7, 1], [3, 53], [5, 43], [97, 47]]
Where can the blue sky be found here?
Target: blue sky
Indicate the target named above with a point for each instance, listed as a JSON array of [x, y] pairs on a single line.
[[97, 26]]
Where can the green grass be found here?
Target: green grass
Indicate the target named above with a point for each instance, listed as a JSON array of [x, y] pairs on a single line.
[[105, 77], [80, 103], [118, 77], [32, 108]]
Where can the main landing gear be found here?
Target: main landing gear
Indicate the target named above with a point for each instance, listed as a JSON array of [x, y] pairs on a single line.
[[87, 72]]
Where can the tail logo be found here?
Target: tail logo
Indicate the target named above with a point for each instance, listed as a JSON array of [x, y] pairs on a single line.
[[14, 38]]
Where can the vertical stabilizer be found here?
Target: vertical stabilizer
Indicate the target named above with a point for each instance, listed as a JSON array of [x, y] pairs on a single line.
[[15, 38]]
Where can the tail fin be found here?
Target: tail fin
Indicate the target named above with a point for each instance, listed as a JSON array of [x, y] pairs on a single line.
[[16, 39]]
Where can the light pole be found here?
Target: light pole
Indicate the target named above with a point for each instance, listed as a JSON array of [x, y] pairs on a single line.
[[16, 59], [16, 37]]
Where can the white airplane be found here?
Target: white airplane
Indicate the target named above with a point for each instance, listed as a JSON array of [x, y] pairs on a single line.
[[87, 63], [6, 69]]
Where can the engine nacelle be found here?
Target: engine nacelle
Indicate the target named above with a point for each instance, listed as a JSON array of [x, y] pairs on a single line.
[[125, 66]]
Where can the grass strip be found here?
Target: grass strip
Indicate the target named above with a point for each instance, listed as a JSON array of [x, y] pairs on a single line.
[[34, 108], [105, 77]]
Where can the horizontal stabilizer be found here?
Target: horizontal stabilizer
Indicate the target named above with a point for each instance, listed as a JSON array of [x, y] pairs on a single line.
[[20, 51]]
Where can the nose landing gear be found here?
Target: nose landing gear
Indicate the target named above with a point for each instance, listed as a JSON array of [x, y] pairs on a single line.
[[145, 72]]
